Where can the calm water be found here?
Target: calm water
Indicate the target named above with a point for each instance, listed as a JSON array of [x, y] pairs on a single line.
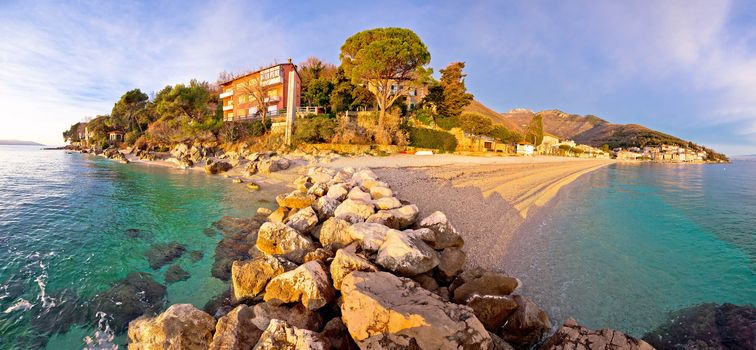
[[628, 243], [63, 219]]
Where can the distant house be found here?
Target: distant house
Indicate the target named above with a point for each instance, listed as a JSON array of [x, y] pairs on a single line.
[[239, 102], [525, 148], [115, 136]]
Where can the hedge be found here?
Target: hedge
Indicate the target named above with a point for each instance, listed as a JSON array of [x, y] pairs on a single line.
[[435, 139]]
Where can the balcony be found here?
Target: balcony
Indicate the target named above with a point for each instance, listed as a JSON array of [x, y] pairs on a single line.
[[272, 81], [228, 108], [227, 93], [272, 99]]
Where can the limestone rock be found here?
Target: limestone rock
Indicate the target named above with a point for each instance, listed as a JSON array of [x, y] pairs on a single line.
[[279, 239], [405, 254], [358, 194], [378, 192], [279, 215], [295, 200], [326, 207], [485, 283], [354, 211], [573, 336], [182, 326], [451, 263], [175, 274], [249, 278], [308, 284], [338, 192], [294, 314], [335, 234], [303, 220], [281, 336], [384, 311], [492, 310], [163, 253], [318, 189], [218, 167], [346, 262], [235, 330], [399, 218], [338, 335], [386, 203], [138, 294], [365, 174], [446, 234], [527, 325], [369, 184], [370, 235], [319, 254]]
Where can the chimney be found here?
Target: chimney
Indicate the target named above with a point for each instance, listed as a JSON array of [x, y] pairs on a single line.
[[289, 60]]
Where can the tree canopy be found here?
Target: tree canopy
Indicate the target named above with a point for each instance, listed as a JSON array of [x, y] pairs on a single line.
[[130, 112], [534, 132], [475, 124], [454, 95], [389, 61]]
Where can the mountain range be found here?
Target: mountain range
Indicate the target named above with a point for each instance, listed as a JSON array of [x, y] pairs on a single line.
[[583, 129]]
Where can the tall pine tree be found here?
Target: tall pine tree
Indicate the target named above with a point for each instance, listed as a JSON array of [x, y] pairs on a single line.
[[455, 96]]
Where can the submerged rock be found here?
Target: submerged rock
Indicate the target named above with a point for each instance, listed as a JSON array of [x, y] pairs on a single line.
[[573, 336], [138, 294], [707, 326], [196, 255], [163, 253], [175, 274], [133, 233], [384, 311], [182, 326]]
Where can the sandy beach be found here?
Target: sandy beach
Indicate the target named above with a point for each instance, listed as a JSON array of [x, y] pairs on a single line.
[[487, 198]]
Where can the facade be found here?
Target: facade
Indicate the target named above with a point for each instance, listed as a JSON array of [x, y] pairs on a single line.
[[238, 99], [525, 148]]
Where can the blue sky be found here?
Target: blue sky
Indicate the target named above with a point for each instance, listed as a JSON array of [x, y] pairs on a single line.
[[684, 67]]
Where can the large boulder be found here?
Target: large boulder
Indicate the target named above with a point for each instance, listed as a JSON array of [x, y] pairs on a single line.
[[249, 278], [386, 203], [573, 336], [357, 193], [294, 314], [278, 239], [281, 336], [399, 218], [303, 220], [370, 235], [338, 335], [295, 200], [347, 261], [308, 284], [326, 207], [182, 326], [484, 282], [492, 310], [235, 330], [335, 234], [451, 263], [446, 234], [218, 167], [384, 311], [707, 326], [338, 192], [378, 192], [354, 211], [405, 254], [527, 325]]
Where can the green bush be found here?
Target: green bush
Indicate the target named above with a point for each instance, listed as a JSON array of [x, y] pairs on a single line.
[[435, 139], [424, 116], [256, 127], [447, 123], [315, 129], [131, 137]]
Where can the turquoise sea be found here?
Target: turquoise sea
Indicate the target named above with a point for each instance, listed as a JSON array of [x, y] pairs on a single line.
[[626, 244], [622, 246], [74, 225]]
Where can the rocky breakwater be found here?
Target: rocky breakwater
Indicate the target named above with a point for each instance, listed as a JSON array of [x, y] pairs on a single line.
[[344, 264]]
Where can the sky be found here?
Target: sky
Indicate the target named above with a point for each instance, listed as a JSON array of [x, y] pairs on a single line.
[[687, 68]]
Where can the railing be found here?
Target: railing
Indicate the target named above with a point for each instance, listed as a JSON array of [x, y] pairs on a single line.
[[227, 93], [228, 107]]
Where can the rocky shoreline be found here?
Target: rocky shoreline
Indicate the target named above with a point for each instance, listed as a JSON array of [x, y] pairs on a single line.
[[344, 264]]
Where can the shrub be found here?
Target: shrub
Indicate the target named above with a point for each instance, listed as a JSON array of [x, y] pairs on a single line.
[[447, 123], [131, 137], [232, 131], [435, 139], [315, 129], [424, 116], [257, 128], [141, 143]]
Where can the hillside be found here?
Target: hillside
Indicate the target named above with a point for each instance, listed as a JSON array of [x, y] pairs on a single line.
[[585, 129], [19, 143]]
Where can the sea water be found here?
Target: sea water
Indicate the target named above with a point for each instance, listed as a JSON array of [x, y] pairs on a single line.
[[72, 225], [628, 243]]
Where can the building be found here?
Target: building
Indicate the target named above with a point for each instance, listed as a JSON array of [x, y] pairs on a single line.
[[238, 94], [525, 148], [115, 136]]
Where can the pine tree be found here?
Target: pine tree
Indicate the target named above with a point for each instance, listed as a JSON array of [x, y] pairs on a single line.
[[455, 96]]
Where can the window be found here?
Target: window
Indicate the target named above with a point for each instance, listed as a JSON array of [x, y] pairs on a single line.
[[242, 99]]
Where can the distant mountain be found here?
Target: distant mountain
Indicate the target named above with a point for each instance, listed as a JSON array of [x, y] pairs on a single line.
[[19, 143], [584, 129]]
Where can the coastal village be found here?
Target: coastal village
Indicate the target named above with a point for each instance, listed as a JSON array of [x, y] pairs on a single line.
[[343, 260]]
